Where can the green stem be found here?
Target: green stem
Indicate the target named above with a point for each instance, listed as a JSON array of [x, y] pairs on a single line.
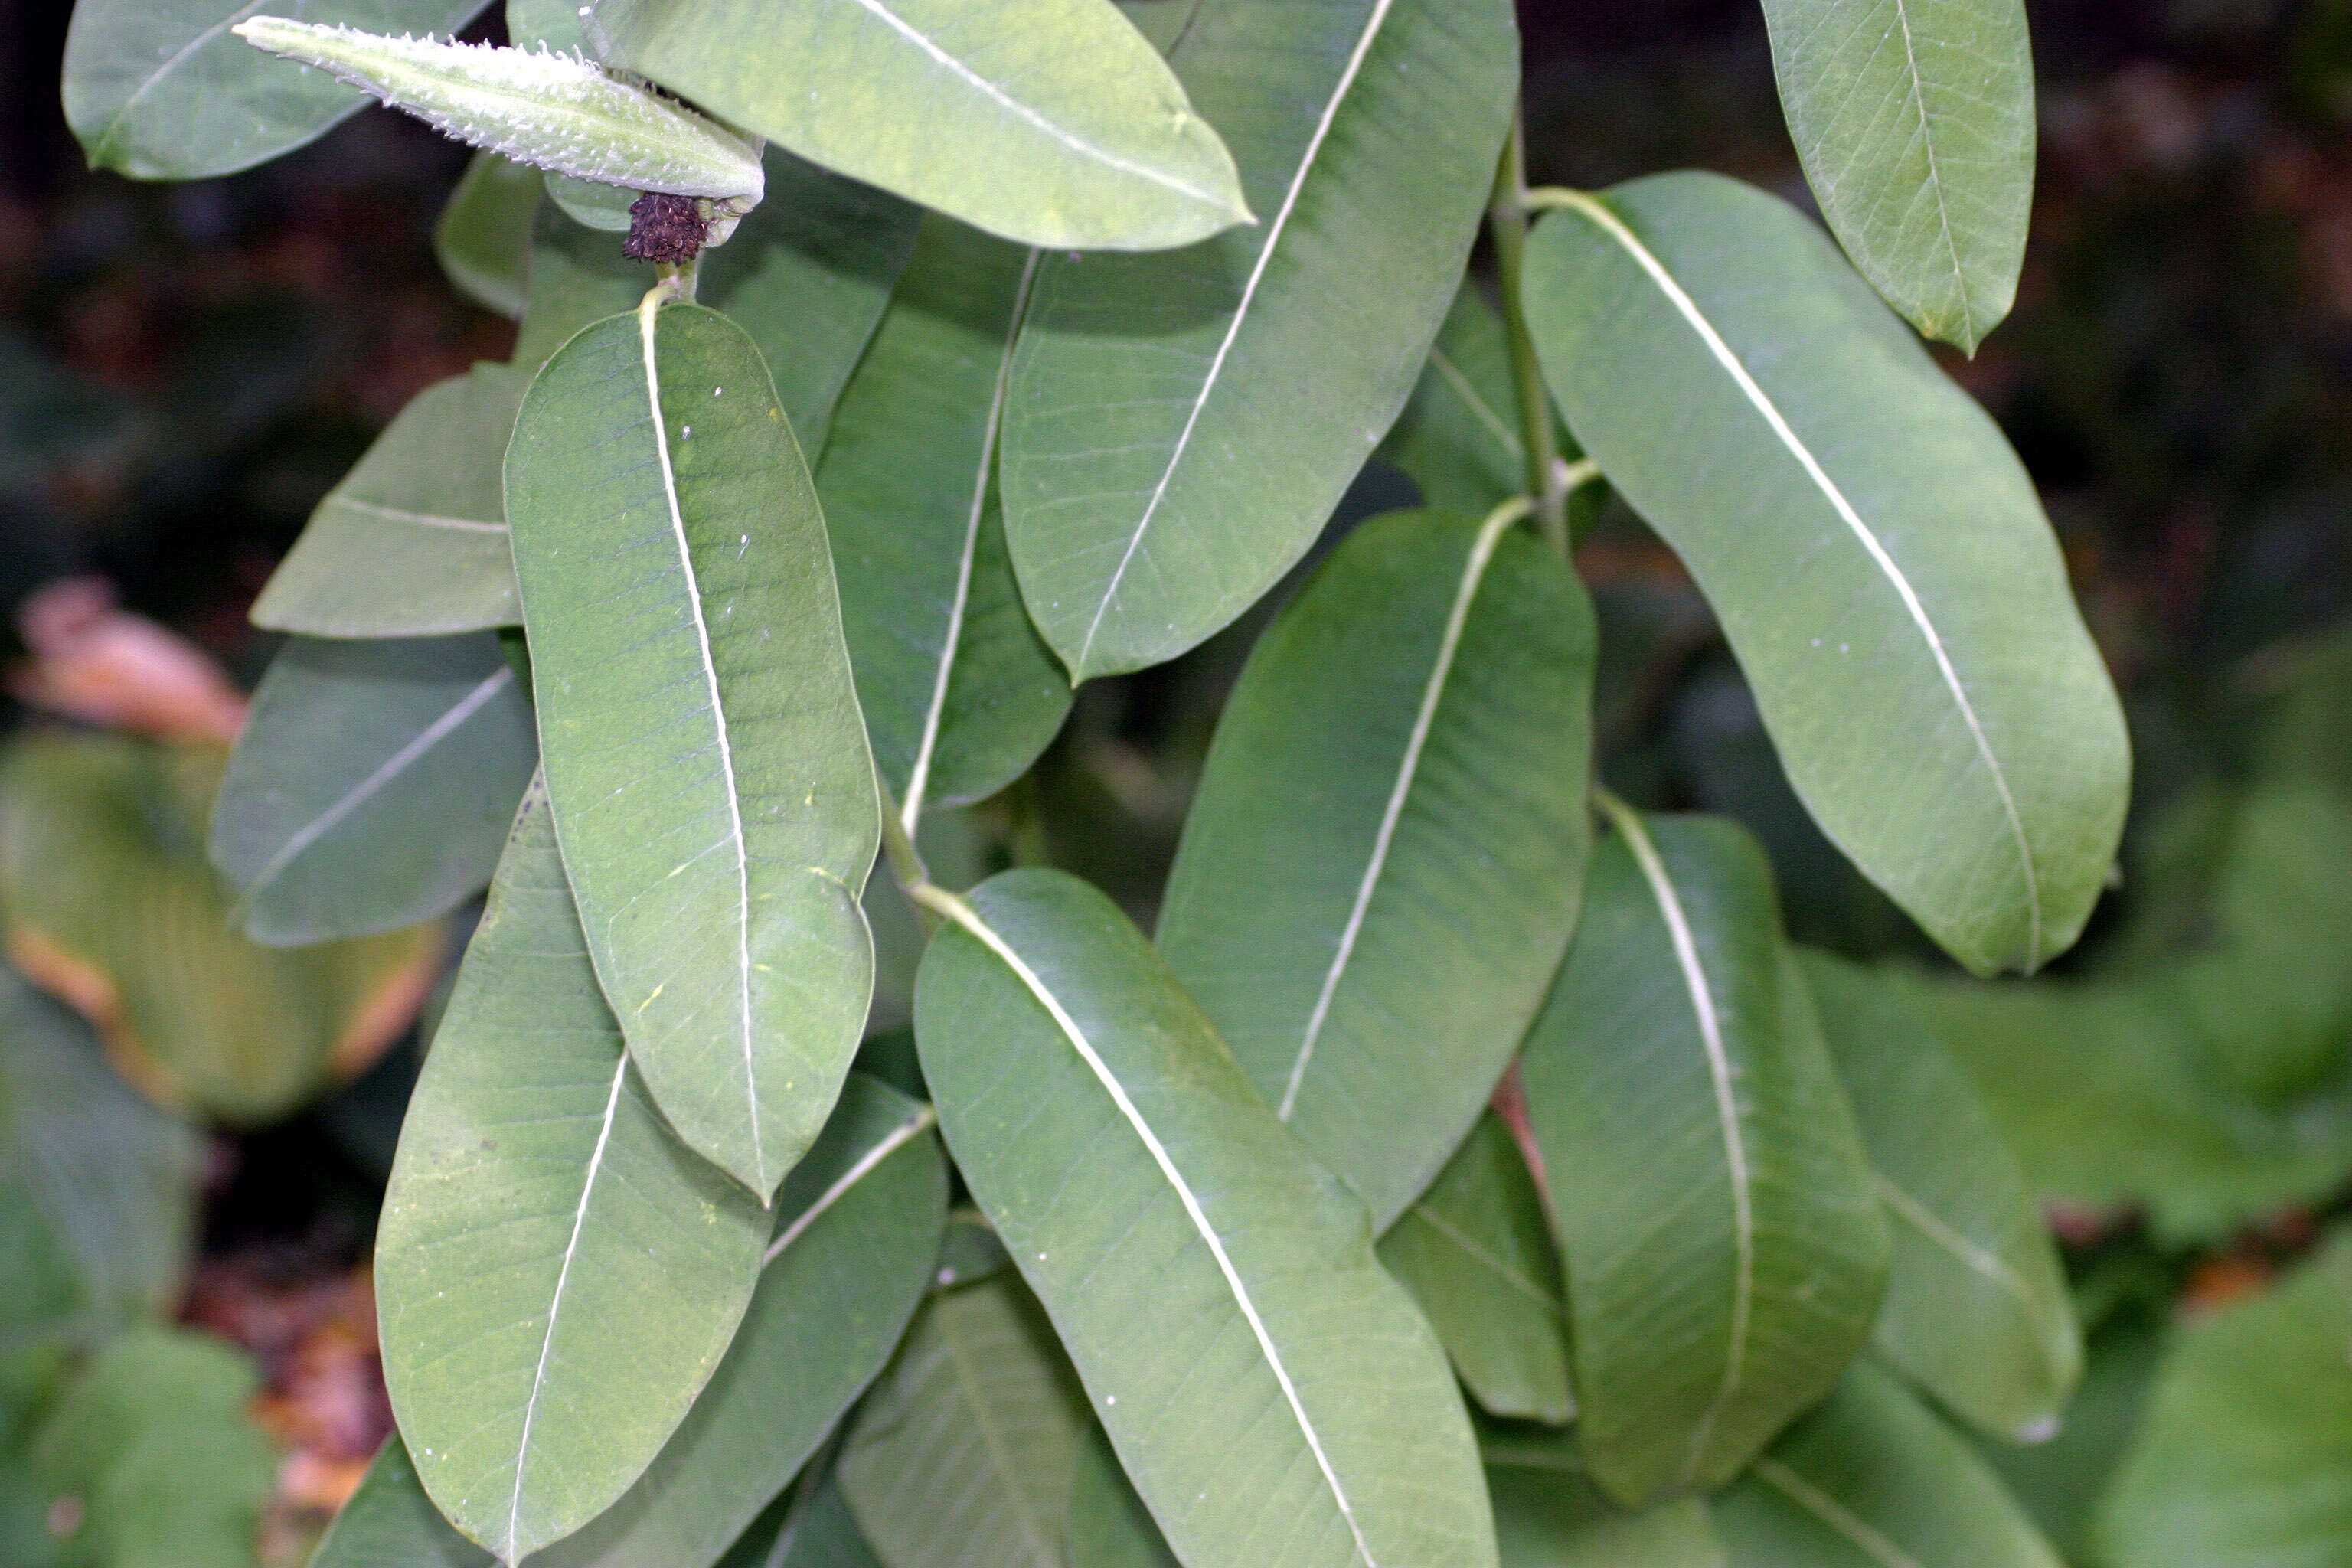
[[1622, 816], [906, 860], [1506, 219]]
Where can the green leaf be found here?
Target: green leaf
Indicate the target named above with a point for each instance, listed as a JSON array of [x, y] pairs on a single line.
[[1977, 1305], [556, 1276], [373, 786], [959, 693], [1915, 121], [161, 90], [413, 543], [815, 1531], [676, 582], [1272, 1393], [1165, 460], [1872, 1479], [390, 1523], [1725, 1252], [1458, 437], [962, 1455], [1109, 1526], [2245, 1457], [1549, 1514], [483, 237], [557, 26], [1875, 553], [1382, 866], [1047, 121], [1475, 1253]]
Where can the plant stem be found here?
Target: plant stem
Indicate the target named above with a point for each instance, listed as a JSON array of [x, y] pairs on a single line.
[[906, 861], [1622, 816], [1506, 219]]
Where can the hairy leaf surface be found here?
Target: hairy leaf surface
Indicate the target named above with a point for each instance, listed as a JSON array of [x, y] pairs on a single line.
[[1875, 551]]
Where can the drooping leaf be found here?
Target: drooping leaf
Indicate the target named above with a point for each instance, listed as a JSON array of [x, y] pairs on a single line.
[[1382, 865], [1724, 1248], [1873, 548], [556, 1275], [1271, 1391], [962, 1457], [2245, 1456], [2059, 1483], [161, 90], [1109, 1526], [705, 763], [413, 543], [1549, 1514], [1915, 121], [1458, 437], [1164, 460], [1977, 1305], [483, 237], [1046, 121], [1871, 1480], [959, 695], [110, 904], [373, 785], [1477, 1254]]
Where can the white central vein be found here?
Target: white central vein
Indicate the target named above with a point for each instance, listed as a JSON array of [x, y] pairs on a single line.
[[242, 13], [1005, 100], [1469, 1248], [1615, 226], [1726, 1111], [1482, 551], [1480, 409], [391, 767], [897, 1139], [645, 317], [1934, 175], [420, 519], [1870, 1541], [555, 1301], [1274, 232], [919, 777], [1971, 1256], [964, 916]]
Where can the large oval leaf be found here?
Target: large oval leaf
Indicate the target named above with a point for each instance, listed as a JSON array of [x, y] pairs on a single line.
[[1915, 121], [1165, 461], [1271, 1391], [373, 785], [391, 1521], [959, 693], [1475, 1253], [161, 90], [705, 764], [1977, 1305], [1874, 549], [1725, 1253], [1381, 869], [556, 1275], [1871, 1480], [1549, 1513], [1047, 121]]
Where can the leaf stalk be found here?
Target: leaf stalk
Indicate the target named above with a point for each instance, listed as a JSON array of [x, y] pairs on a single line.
[[1506, 220]]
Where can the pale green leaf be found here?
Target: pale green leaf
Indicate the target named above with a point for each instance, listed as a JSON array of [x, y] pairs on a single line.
[[1109, 1526], [556, 1275], [959, 693], [1915, 123], [603, 207], [963, 1456], [1383, 865], [555, 25], [373, 786], [1477, 1254], [1549, 1514], [1458, 437], [390, 1523], [1271, 1391], [675, 586], [413, 543], [1166, 459], [1872, 1479], [161, 90], [2244, 1458], [483, 237], [1977, 1305], [1724, 1248], [1874, 549], [1046, 121]]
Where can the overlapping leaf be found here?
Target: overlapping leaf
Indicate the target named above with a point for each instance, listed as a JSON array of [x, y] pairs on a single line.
[[483, 237], [1382, 865], [959, 695], [1109, 1526], [373, 785], [1724, 1254], [1272, 1393], [1549, 1514], [816, 1532], [1915, 121], [1165, 461], [705, 763], [556, 1275], [1458, 437], [1875, 551]]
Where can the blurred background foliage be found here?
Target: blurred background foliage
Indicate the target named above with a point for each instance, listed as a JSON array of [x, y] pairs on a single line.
[[192, 1153]]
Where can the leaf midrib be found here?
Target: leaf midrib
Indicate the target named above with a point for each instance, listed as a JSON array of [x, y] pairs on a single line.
[[1869, 1542]]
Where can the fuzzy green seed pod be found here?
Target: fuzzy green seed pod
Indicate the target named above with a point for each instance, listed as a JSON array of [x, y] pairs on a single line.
[[553, 111]]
